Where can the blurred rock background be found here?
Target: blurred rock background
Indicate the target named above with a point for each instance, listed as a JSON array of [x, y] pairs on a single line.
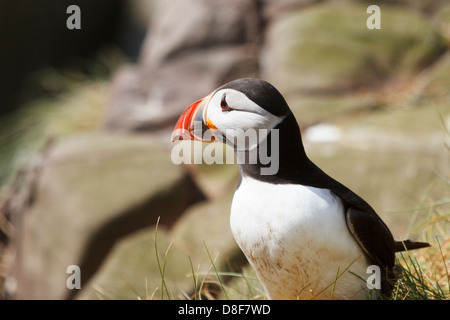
[[86, 117]]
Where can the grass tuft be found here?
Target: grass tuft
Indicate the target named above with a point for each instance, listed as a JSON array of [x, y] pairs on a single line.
[[423, 275], [162, 269]]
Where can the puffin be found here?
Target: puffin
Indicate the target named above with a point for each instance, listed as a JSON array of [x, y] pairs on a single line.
[[306, 235]]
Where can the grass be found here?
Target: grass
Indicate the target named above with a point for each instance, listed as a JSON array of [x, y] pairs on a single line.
[[207, 285], [422, 275], [162, 269], [425, 273]]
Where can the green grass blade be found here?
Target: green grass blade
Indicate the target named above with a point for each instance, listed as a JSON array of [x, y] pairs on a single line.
[[217, 273]]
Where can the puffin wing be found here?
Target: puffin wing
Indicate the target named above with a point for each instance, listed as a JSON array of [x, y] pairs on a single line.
[[372, 235], [367, 228]]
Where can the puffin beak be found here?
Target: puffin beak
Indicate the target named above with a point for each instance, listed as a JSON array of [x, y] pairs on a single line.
[[192, 124]]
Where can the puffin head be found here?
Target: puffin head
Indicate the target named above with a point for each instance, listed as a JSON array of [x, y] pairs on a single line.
[[231, 111]]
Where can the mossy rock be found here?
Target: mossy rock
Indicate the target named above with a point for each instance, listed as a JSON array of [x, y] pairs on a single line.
[[200, 241], [205, 228], [310, 109], [442, 21], [327, 47], [143, 265], [438, 80], [92, 190]]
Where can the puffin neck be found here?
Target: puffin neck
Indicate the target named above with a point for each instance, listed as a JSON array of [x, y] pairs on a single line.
[[292, 159]]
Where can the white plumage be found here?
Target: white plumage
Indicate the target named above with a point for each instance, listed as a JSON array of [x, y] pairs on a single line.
[[296, 239]]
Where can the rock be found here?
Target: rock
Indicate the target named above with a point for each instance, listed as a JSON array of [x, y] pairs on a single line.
[[201, 236], [215, 23], [310, 109], [182, 62], [131, 270], [140, 104], [273, 8], [91, 191], [328, 48], [205, 227], [437, 80], [424, 6], [135, 16], [442, 21]]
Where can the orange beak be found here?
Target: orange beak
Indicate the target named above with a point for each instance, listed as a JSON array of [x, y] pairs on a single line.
[[191, 125]]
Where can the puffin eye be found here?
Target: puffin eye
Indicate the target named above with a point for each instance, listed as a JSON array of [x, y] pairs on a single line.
[[224, 105]]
